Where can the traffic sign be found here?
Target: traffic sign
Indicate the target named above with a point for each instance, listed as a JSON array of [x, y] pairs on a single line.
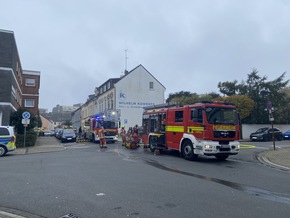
[[25, 121], [26, 115]]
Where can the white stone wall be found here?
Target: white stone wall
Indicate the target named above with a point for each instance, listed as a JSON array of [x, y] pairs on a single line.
[[247, 129]]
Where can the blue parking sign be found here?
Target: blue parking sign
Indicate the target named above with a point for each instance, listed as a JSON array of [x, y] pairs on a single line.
[[26, 115]]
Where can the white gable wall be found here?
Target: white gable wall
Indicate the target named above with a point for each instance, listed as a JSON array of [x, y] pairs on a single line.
[[133, 93]]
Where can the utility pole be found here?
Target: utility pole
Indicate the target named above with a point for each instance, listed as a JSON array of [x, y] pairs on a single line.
[[271, 119]]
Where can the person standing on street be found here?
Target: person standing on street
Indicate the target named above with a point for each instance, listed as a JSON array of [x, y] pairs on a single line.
[[123, 135], [102, 138], [135, 134], [80, 132]]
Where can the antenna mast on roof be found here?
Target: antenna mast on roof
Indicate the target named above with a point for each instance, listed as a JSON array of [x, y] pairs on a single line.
[[126, 58]]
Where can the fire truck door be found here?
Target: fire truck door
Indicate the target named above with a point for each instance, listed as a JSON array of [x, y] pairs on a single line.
[[175, 130], [195, 123]]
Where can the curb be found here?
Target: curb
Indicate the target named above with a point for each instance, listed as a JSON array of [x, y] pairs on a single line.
[[14, 213], [267, 162]]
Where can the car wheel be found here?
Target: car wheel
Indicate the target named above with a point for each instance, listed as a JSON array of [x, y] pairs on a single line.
[[3, 151], [187, 151], [280, 138], [265, 138]]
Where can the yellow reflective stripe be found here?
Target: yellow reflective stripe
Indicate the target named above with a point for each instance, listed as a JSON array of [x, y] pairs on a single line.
[[191, 129], [156, 134], [174, 128], [11, 145]]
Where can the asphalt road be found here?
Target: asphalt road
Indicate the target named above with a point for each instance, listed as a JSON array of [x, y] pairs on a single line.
[[86, 181]]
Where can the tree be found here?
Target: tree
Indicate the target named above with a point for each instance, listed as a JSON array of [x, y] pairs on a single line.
[[184, 98], [228, 88], [16, 121], [178, 95], [244, 104], [282, 113], [260, 91]]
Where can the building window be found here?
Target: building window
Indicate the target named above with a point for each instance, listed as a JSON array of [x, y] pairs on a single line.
[[29, 82], [29, 103], [151, 85]]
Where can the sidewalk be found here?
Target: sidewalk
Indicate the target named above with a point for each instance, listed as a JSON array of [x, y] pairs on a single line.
[[279, 158], [43, 144]]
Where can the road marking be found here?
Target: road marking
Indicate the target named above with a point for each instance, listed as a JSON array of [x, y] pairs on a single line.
[[101, 194], [243, 146], [75, 147], [6, 214], [116, 150]]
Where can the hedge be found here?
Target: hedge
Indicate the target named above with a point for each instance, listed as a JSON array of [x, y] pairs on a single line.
[[30, 139]]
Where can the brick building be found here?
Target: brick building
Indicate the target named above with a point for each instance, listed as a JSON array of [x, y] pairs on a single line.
[[18, 87]]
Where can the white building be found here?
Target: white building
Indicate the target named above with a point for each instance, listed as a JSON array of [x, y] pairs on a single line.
[[122, 99], [134, 91]]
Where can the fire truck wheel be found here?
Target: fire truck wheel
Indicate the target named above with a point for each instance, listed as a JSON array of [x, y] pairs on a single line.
[[151, 144], [221, 156], [187, 151]]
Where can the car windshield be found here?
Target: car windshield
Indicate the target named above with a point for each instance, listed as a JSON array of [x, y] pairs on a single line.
[[217, 115], [68, 131], [261, 130]]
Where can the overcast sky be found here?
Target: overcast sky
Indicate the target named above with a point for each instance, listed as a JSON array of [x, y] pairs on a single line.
[[188, 45]]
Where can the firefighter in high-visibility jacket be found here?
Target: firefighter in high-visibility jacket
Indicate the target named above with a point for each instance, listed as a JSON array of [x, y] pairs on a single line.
[[123, 135], [102, 138]]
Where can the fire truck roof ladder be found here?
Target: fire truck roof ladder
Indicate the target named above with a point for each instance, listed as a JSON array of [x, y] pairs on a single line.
[[217, 102], [165, 105]]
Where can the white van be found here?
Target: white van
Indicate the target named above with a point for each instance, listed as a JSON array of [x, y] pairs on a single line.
[[7, 139]]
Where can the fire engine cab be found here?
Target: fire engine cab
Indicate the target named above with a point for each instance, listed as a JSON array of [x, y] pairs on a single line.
[[205, 128], [111, 129]]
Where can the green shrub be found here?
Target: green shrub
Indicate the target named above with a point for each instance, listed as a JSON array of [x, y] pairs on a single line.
[[30, 139]]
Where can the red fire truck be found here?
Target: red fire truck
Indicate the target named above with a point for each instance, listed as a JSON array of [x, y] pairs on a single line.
[[111, 129], [205, 128]]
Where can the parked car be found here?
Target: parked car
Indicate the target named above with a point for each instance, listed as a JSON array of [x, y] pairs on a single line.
[[57, 132], [286, 135], [47, 133], [68, 135], [265, 134], [7, 139], [52, 133]]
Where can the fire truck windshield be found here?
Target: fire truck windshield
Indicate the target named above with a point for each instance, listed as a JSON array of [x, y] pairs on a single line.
[[218, 115], [105, 124]]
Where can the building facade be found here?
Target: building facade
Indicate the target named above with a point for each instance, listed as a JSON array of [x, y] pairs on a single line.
[[122, 100], [18, 88], [136, 90], [30, 90]]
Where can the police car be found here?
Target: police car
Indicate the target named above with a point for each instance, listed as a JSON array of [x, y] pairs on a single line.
[[7, 139]]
